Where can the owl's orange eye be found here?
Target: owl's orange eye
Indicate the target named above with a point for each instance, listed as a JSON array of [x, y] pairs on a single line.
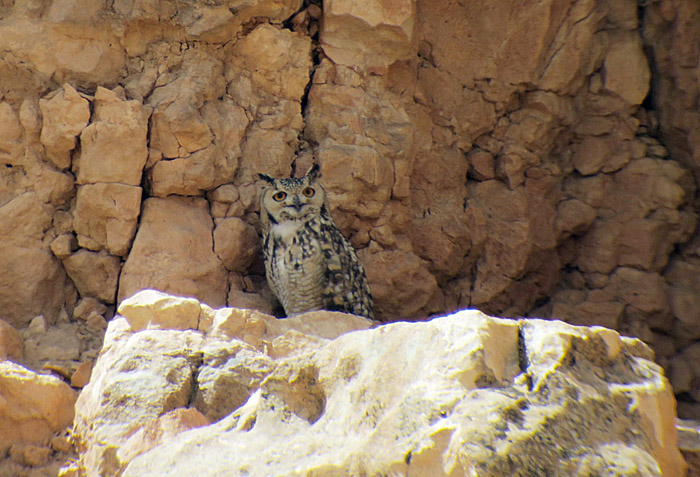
[[309, 192], [279, 196]]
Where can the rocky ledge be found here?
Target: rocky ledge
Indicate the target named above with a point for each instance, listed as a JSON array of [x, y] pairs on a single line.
[[182, 389]]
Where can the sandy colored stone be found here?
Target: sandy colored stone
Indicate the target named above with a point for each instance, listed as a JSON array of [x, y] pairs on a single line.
[[11, 343], [34, 407], [88, 306], [173, 252], [373, 35], [685, 302], [34, 285], [229, 375], [266, 51], [29, 455], [65, 115], [590, 155], [626, 69], [235, 243], [106, 216], [253, 301], [63, 245], [11, 142], [81, 376], [371, 173], [151, 309], [227, 323], [59, 342], [102, 423], [37, 326], [203, 170], [387, 273], [481, 165], [94, 274], [315, 392], [574, 216], [161, 430], [113, 146]]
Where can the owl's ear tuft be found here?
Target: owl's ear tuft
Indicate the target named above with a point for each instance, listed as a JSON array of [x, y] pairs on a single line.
[[266, 178], [314, 172]]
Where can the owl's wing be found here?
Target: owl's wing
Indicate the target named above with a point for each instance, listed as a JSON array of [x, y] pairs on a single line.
[[346, 287]]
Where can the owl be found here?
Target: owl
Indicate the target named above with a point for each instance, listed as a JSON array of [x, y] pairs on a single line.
[[309, 264]]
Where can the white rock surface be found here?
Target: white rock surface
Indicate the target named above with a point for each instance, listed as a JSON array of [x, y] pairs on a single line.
[[465, 394]]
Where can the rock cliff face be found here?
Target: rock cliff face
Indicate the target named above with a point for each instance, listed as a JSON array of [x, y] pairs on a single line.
[[239, 392], [522, 159]]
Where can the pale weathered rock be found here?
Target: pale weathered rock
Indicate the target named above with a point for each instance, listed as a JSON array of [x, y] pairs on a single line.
[[81, 376], [34, 407], [173, 252], [373, 35], [236, 243], [151, 309], [683, 278], [160, 430], [87, 306], [439, 409], [626, 69], [94, 274], [113, 146], [63, 245], [33, 282], [266, 51], [106, 215], [11, 343], [166, 386], [65, 115], [57, 343], [387, 273]]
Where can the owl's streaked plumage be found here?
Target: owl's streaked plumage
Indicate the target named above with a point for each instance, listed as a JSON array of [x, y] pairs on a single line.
[[309, 264]]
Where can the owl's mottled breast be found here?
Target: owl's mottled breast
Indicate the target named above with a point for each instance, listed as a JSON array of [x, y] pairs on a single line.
[[309, 264]]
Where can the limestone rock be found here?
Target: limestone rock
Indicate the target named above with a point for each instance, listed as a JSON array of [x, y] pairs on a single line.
[[387, 274], [55, 343], [65, 115], [35, 406], [626, 69], [94, 274], [81, 376], [35, 284], [373, 35], [151, 309], [440, 386], [236, 243], [106, 215], [160, 430], [173, 252], [10, 143], [683, 278], [113, 146], [166, 385], [266, 51], [11, 343]]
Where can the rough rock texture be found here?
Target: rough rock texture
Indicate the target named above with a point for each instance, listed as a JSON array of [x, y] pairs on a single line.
[[526, 159], [34, 406], [460, 394]]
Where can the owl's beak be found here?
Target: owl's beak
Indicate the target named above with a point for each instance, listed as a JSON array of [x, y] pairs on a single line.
[[296, 204]]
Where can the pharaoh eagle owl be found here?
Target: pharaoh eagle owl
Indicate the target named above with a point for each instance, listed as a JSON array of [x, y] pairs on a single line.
[[309, 264]]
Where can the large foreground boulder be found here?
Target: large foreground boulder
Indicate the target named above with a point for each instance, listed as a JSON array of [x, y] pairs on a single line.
[[465, 394]]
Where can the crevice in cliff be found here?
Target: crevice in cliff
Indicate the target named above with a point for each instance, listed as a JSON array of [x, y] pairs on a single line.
[[307, 19], [523, 361]]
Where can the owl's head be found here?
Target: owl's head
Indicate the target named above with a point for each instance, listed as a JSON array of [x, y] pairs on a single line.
[[295, 199]]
